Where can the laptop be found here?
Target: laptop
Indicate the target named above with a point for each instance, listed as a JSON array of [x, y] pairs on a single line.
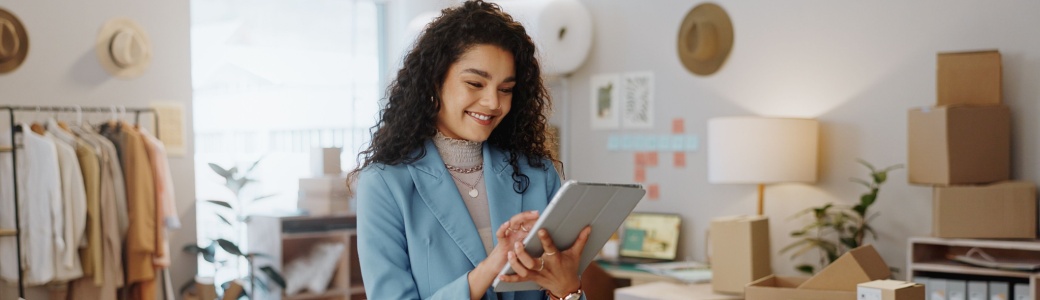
[[649, 238]]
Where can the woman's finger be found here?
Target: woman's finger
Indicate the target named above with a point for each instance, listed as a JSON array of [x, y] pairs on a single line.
[[521, 254], [517, 266], [503, 230], [547, 243], [579, 244]]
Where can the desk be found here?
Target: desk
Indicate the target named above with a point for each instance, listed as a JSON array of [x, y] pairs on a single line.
[[671, 291], [626, 275]]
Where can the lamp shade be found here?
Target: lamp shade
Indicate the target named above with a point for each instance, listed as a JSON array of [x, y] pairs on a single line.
[[760, 150]]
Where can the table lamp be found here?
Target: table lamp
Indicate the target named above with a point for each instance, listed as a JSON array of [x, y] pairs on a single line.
[[761, 150]]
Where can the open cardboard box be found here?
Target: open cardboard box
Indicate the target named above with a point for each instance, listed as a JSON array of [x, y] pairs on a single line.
[[774, 287], [835, 282]]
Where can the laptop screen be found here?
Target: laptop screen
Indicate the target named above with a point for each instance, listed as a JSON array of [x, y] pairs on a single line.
[[651, 236]]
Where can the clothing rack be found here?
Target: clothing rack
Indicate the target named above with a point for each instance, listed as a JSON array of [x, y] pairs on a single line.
[[14, 160]]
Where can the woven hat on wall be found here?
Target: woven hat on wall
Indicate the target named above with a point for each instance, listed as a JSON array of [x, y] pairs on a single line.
[[705, 39], [123, 48], [14, 42]]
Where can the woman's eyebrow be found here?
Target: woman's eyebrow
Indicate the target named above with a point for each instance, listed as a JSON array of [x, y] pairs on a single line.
[[485, 74]]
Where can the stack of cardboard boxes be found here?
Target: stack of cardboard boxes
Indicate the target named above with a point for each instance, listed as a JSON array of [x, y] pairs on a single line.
[[962, 148]]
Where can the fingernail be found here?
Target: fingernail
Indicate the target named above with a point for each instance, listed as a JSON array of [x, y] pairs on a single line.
[[511, 254], [541, 232], [534, 212]]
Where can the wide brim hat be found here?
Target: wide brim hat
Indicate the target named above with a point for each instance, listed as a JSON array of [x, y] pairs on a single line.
[[123, 48], [705, 39], [14, 42]]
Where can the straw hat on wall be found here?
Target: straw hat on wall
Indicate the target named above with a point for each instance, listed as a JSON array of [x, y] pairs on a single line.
[[705, 39], [14, 42], [123, 48]]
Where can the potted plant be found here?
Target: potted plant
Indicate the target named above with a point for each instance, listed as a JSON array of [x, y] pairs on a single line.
[[836, 229], [234, 215]]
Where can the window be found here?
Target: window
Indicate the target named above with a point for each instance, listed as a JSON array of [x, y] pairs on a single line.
[[273, 79]]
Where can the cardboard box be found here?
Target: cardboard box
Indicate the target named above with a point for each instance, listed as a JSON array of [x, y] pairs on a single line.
[[325, 161], [331, 187], [774, 287], [968, 78], [859, 265], [1002, 210], [959, 145], [889, 290], [739, 252]]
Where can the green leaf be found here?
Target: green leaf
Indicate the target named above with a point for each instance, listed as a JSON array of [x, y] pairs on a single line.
[[849, 242], [807, 269], [220, 171], [880, 177], [229, 247], [257, 254], [274, 275], [866, 164], [222, 218], [253, 166], [264, 197], [868, 199], [221, 203]]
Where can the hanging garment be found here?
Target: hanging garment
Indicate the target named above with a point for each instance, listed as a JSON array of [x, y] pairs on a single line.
[[142, 243], [110, 276], [89, 162], [165, 208], [74, 206], [110, 131], [39, 187]]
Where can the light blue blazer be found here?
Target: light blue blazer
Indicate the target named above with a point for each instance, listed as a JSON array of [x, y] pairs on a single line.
[[416, 239]]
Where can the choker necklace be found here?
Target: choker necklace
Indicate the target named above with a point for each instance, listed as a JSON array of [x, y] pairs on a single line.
[[466, 170], [473, 193]]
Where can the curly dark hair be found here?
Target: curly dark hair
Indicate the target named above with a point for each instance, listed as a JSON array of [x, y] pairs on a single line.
[[410, 115]]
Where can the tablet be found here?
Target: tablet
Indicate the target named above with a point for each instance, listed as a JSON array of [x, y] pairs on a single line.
[[577, 204]]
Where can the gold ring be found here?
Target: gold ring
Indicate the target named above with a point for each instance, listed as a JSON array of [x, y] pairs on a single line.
[[542, 265], [550, 253], [523, 228]]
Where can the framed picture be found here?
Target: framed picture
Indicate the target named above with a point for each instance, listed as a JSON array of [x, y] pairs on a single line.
[[605, 94], [637, 94]]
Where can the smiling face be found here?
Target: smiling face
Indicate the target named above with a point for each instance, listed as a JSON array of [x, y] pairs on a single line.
[[477, 93]]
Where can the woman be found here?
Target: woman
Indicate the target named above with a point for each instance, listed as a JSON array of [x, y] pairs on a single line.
[[460, 147]]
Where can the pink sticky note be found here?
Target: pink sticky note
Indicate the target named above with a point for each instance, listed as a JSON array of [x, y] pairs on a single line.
[[651, 159], [653, 192], [677, 125], [640, 174], [680, 159], [640, 159]]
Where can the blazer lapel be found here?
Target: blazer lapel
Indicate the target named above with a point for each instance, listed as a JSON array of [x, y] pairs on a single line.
[[503, 202], [439, 193]]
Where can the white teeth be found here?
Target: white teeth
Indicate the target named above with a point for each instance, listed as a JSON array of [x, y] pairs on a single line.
[[479, 116]]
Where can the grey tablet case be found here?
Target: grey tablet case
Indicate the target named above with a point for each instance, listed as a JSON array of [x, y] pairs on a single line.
[[602, 205]]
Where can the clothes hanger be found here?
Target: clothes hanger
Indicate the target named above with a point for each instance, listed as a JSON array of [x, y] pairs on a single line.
[[36, 126]]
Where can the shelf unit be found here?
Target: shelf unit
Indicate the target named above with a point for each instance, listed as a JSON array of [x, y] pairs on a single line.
[[929, 257], [294, 241]]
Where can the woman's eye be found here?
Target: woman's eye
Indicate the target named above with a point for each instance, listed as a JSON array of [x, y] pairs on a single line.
[[507, 91], [475, 84]]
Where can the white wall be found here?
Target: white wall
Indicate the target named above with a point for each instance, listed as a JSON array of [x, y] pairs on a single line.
[[61, 69], [857, 67]]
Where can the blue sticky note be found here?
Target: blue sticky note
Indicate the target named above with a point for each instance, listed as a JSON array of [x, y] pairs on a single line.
[[692, 143], [613, 143]]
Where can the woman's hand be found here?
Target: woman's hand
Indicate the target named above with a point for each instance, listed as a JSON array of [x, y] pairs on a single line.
[[555, 270], [509, 233]]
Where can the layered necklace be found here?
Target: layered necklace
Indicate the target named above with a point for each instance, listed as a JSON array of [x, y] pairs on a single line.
[[459, 151], [472, 187]]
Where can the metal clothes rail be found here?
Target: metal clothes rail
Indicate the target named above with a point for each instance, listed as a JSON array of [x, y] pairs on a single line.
[[15, 129]]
